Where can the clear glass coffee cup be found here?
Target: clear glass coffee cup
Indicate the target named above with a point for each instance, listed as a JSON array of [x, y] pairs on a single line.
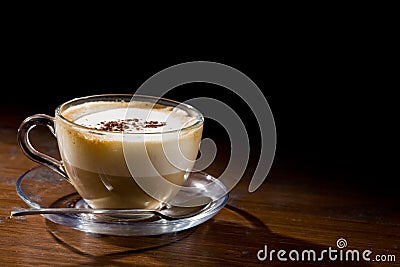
[[120, 150]]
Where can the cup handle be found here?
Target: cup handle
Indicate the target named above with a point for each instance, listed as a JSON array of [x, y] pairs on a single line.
[[33, 154]]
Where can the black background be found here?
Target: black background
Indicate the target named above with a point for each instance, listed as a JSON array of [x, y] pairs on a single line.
[[331, 87]]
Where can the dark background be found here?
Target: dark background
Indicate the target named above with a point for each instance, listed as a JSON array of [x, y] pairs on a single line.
[[330, 88]]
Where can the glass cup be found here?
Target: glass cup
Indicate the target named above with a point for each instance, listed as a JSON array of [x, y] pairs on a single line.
[[120, 150]]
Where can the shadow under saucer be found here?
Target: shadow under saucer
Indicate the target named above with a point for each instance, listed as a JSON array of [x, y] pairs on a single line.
[[103, 245]]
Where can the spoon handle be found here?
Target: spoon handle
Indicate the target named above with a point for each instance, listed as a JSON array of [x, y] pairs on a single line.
[[24, 212]]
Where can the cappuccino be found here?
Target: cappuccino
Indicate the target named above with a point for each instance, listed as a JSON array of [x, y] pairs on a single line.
[[108, 146]]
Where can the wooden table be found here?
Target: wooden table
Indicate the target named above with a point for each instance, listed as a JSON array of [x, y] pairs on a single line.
[[297, 209]]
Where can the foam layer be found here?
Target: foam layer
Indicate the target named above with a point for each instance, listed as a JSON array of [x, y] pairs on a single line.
[[135, 118]]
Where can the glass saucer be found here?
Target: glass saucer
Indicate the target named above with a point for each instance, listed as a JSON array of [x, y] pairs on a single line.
[[41, 187]]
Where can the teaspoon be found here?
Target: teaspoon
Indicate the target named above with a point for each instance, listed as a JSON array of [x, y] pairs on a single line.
[[171, 213]]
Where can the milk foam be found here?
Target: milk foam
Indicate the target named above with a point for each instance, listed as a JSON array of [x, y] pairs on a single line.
[[135, 118]]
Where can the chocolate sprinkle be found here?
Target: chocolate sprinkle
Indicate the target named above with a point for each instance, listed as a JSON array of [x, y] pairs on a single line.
[[128, 125]]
